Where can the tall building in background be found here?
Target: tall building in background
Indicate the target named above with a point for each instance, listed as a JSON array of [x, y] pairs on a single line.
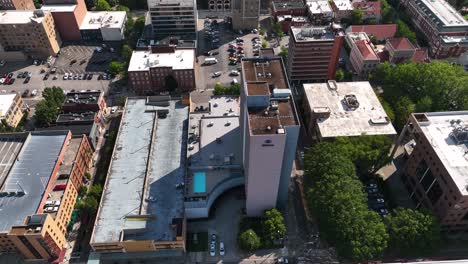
[[270, 128], [445, 29], [173, 18], [436, 170], [314, 52], [68, 16], [32, 32], [245, 14], [17, 5]]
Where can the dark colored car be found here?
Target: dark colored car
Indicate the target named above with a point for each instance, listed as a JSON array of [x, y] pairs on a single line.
[[46, 76], [26, 93], [27, 79], [12, 80], [90, 76]]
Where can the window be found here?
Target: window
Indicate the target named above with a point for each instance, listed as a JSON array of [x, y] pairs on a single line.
[[427, 181], [434, 193]]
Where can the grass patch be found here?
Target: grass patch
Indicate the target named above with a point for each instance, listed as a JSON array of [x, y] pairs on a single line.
[[200, 245]]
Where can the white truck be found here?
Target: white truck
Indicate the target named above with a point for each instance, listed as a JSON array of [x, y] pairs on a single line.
[[209, 61]]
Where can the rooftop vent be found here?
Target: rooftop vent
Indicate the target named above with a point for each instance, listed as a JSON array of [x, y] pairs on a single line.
[[460, 134], [351, 101]]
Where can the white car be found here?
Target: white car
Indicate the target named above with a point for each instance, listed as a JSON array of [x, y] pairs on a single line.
[[2, 63], [216, 74], [234, 73], [34, 92], [221, 248], [212, 249], [65, 77], [2, 80]]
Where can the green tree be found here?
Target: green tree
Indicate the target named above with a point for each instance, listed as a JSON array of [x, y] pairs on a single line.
[[424, 104], [129, 27], [248, 240], [412, 232], [403, 108], [140, 25], [405, 31], [123, 8], [46, 112], [82, 191], [371, 21], [357, 16], [273, 225], [262, 31], [170, 83], [280, 35], [88, 205], [126, 52], [54, 95], [102, 5], [284, 53], [277, 27], [388, 15], [339, 76], [95, 191], [264, 44], [90, 4], [116, 67], [120, 100]]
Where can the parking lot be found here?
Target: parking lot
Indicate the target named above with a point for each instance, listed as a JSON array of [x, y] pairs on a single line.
[[62, 64], [205, 44], [90, 58]]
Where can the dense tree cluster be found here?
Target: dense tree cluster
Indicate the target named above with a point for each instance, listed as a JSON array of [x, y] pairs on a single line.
[[335, 195], [262, 232], [48, 108], [422, 87], [405, 31], [104, 5], [233, 89], [412, 231]]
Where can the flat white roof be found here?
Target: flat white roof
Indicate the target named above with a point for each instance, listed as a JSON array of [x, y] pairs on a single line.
[[343, 5], [19, 17], [6, 100], [368, 118], [445, 12], [181, 59], [452, 155], [319, 7], [59, 8], [103, 19]]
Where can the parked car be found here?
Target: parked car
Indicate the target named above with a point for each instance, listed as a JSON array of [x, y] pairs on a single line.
[[213, 249], [27, 79], [72, 62], [46, 76], [90, 76], [221, 248], [12, 81], [234, 73], [2, 63], [26, 93], [239, 40], [34, 92], [216, 74], [53, 70]]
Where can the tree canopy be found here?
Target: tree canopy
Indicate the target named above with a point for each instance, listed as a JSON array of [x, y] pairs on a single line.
[[357, 17], [248, 240], [102, 5], [435, 86], [412, 232], [48, 108], [116, 67], [405, 31], [273, 225], [335, 194]]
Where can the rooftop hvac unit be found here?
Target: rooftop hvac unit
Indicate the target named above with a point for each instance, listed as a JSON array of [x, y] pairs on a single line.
[[351, 101], [460, 134], [281, 93]]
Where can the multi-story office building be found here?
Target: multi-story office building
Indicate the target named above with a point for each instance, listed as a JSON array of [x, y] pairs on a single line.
[[38, 190], [11, 108], [68, 16], [342, 9], [314, 53], [149, 71], [445, 29], [245, 14], [319, 11], [269, 132], [436, 169], [343, 109], [147, 170], [17, 5], [173, 18], [31, 32], [362, 56]]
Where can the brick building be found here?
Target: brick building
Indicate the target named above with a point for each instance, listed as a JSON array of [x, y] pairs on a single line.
[[314, 52], [68, 16], [445, 29], [37, 195], [17, 5], [362, 55], [319, 12], [291, 8], [370, 10], [11, 109], [30, 31], [436, 169], [155, 70]]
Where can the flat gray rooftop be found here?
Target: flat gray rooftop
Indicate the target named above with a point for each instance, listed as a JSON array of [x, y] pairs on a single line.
[[368, 118], [30, 173], [443, 12], [147, 163]]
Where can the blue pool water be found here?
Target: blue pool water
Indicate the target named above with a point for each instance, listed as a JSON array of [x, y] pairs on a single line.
[[199, 182]]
